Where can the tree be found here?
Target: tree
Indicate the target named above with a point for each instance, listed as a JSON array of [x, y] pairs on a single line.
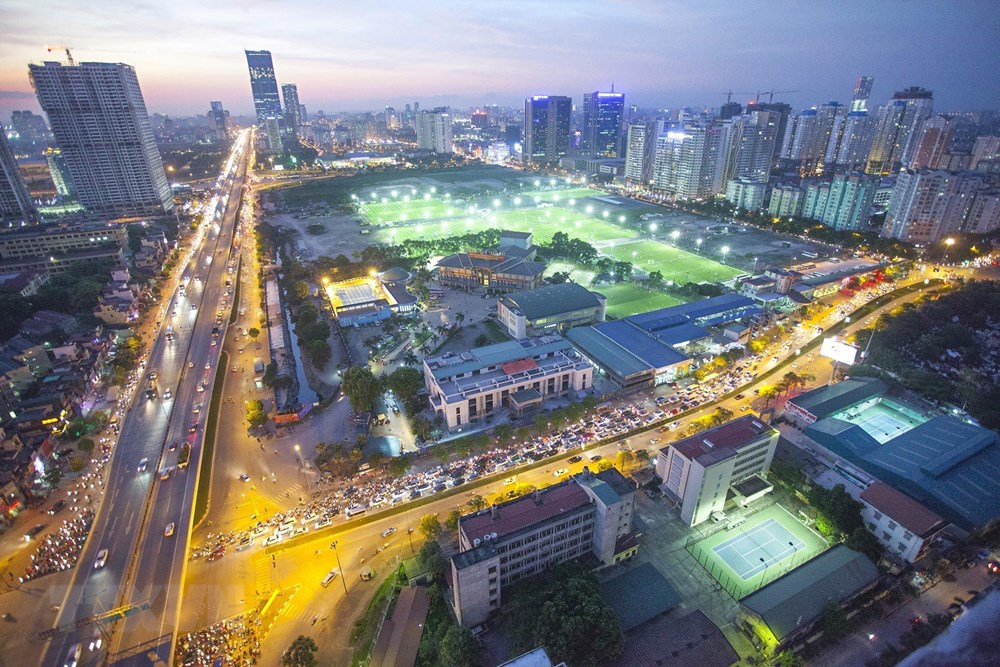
[[319, 352], [604, 465], [458, 647], [406, 382], [451, 523], [756, 346], [398, 466], [789, 659], [834, 621], [655, 280], [768, 392], [862, 540], [16, 309], [86, 445], [503, 432], [481, 340], [361, 387], [431, 559], [624, 460], [477, 503], [301, 653], [53, 476], [256, 414], [253, 332], [430, 526]]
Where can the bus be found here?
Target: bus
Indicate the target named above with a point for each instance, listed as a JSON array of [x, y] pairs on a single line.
[[810, 255]]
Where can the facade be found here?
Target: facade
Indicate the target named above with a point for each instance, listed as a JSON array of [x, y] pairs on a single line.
[[902, 525], [16, 206], [855, 141], [478, 384], [99, 120], [932, 145], [48, 240], [849, 202], [264, 86], [60, 173], [926, 206], [586, 515], [602, 123], [698, 471], [986, 149], [814, 204], [640, 151], [550, 309], [684, 165], [786, 201], [897, 125], [862, 91], [220, 118], [807, 137], [546, 128], [494, 271], [293, 110], [434, 131], [753, 142], [745, 194]]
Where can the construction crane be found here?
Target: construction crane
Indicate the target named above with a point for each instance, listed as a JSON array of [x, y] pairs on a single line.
[[771, 93], [729, 95], [57, 47]]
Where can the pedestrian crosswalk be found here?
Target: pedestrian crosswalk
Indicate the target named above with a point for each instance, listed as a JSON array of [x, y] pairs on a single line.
[[262, 574], [285, 495]]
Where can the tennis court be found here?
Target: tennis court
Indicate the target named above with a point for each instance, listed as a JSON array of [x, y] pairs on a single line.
[[757, 549], [880, 421]]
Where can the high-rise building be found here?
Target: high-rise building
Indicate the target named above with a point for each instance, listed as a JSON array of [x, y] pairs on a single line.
[[99, 120], [745, 194], [546, 128], [60, 174], [480, 119], [293, 110], [784, 111], [928, 205], [855, 141], [898, 123], [15, 202], [862, 91], [220, 118], [602, 123], [434, 131], [986, 148], [932, 142], [264, 86], [849, 202], [755, 141], [640, 151], [807, 137], [685, 160], [729, 110], [786, 201]]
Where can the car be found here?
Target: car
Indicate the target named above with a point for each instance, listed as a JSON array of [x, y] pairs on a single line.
[[560, 472], [167, 394], [208, 365], [217, 554], [73, 655], [273, 539], [330, 576], [190, 364], [993, 567], [245, 543], [596, 457], [165, 473], [245, 477], [143, 464], [169, 530], [322, 523], [236, 369], [56, 508], [196, 409], [193, 428], [194, 307], [172, 446], [510, 480], [102, 558], [387, 532], [200, 388], [34, 531], [575, 459], [151, 375]]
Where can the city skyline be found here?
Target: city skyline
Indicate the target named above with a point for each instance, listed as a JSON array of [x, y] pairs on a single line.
[[659, 54]]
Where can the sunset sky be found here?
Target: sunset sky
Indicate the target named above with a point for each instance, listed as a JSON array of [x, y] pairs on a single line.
[[365, 55]]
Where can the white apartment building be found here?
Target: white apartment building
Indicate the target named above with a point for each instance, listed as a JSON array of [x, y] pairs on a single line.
[[434, 131], [477, 384], [588, 514], [699, 471], [786, 201], [902, 525], [745, 194]]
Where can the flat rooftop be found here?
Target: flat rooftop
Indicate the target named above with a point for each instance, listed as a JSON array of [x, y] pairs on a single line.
[[551, 300], [722, 441], [526, 511]]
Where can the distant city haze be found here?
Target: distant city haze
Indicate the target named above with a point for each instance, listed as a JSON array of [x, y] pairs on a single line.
[[351, 56]]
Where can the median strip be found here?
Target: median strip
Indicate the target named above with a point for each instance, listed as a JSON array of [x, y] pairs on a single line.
[[208, 447]]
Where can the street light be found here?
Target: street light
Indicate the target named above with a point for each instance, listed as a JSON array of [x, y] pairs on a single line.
[[725, 251], [949, 242], [343, 579], [674, 235], [698, 243]]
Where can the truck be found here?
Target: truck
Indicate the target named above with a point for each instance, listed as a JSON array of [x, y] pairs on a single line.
[[184, 456]]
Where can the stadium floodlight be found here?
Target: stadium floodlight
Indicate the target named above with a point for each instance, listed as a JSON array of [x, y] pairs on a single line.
[[590, 209]]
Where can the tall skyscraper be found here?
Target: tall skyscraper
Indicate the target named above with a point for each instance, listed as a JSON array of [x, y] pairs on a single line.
[[807, 137], [602, 123], [898, 122], [932, 142], [264, 86], [640, 151], [546, 128], [755, 140], [434, 131], [293, 111], [862, 91], [99, 120], [220, 117], [15, 202], [927, 205], [729, 110], [784, 111], [685, 160], [60, 174], [855, 141], [850, 200]]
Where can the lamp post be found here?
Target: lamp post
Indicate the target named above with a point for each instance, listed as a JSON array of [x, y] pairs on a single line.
[[343, 579], [698, 243], [948, 242], [674, 235], [764, 575], [725, 251]]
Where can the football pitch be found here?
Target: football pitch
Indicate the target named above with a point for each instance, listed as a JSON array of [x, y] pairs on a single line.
[[675, 264], [626, 299]]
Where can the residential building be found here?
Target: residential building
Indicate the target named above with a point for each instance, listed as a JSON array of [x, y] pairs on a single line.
[[684, 165], [786, 201], [902, 525], [478, 384], [897, 125], [550, 309], [25, 283], [932, 144], [16, 206], [50, 240], [602, 123], [434, 132], [849, 202], [855, 142], [807, 137], [814, 203], [99, 120], [699, 471], [753, 141], [862, 91], [984, 213], [928, 205], [546, 128], [986, 148], [784, 111], [745, 194], [588, 515], [60, 173], [293, 110], [640, 151], [729, 110], [786, 611]]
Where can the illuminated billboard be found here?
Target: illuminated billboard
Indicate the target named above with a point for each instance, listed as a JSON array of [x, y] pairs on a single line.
[[838, 351]]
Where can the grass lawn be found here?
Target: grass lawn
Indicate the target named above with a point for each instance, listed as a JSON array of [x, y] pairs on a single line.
[[811, 544], [577, 273], [626, 299], [400, 210], [562, 195], [675, 264]]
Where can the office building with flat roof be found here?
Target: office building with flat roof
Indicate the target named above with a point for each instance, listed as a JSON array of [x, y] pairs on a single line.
[[602, 123], [546, 128], [517, 374], [588, 516], [699, 470], [550, 309]]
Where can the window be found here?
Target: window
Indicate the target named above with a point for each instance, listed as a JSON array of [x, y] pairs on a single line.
[[893, 525], [886, 537], [907, 535], [878, 516], [493, 569], [871, 526]]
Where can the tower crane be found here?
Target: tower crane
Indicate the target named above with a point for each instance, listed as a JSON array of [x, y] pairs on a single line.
[[729, 95], [57, 47], [771, 93]]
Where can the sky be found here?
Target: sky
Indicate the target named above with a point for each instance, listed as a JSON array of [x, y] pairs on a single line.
[[366, 54]]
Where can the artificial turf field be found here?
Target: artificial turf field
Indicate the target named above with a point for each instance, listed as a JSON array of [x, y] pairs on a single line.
[[675, 264], [626, 299]]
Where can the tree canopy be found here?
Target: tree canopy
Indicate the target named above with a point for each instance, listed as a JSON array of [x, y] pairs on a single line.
[[301, 653], [406, 382], [361, 388]]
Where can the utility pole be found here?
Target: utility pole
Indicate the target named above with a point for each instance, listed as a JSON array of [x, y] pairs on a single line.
[[343, 578]]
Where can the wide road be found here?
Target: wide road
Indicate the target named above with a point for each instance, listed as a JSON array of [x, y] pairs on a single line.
[[144, 566]]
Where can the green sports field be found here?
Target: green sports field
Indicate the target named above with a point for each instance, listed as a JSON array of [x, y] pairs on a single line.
[[675, 264], [561, 195], [767, 545], [626, 299], [401, 210]]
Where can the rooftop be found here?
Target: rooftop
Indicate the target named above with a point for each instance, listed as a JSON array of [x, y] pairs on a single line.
[[722, 441], [551, 300], [638, 595], [526, 511], [902, 509], [799, 597], [826, 400], [452, 365], [668, 640], [399, 638]]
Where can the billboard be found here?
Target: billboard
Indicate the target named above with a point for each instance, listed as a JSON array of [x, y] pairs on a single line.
[[838, 351]]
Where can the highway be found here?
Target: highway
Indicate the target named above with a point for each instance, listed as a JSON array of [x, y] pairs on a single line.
[[144, 566]]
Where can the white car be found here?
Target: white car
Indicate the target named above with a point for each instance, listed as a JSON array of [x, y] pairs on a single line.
[[73, 655], [169, 530], [143, 464], [245, 543], [387, 532], [560, 472], [102, 557], [330, 576], [274, 539], [245, 477], [208, 365]]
